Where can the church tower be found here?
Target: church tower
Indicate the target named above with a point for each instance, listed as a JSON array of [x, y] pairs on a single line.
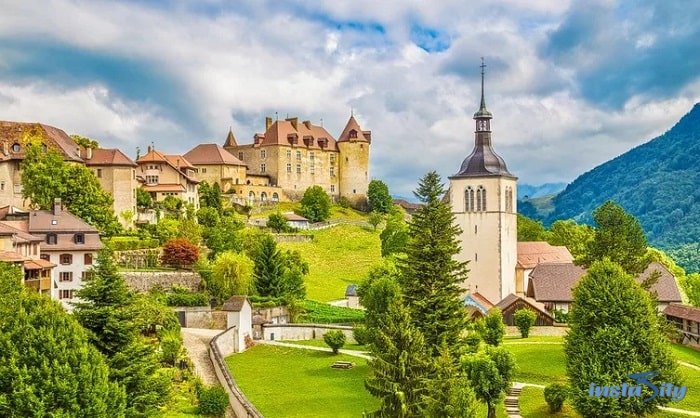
[[483, 198]]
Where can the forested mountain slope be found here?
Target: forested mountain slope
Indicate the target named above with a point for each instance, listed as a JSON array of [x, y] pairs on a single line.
[[658, 182]]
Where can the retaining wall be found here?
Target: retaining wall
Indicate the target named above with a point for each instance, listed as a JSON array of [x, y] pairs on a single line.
[[303, 331], [143, 281]]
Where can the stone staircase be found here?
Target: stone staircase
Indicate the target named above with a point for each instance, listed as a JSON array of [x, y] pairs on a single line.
[[511, 402]]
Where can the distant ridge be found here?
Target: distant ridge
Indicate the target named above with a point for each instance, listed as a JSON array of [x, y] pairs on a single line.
[[531, 192], [658, 182]]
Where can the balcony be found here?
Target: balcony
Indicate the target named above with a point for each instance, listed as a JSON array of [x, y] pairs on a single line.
[[40, 285]]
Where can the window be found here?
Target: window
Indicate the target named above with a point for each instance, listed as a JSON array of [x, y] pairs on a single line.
[[51, 239], [298, 155], [66, 259], [45, 257], [88, 275], [275, 197], [332, 171], [480, 199], [332, 188], [251, 196], [263, 197], [240, 155], [87, 259], [353, 133], [151, 179], [346, 159], [298, 168], [312, 169], [354, 191], [65, 294], [204, 170], [362, 146], [289, 167], [79, 238], [289, 154], [99, 173], [15, 147], [263, 153], [469, 199], [311, 156], [331, 158], [2, 185], [65, 276], [262, 167], [509, 199]]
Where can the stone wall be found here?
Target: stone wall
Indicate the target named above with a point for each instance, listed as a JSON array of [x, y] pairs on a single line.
[[220, 347], [143, 281], [303, 331], [202, 317]]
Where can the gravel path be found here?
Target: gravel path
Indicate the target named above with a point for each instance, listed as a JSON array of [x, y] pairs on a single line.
[[196, 341]]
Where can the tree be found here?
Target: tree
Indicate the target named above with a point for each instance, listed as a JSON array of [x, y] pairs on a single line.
[[85, 142], [335, 339], [128, 216], [179, 252], [524, 319], [173, 205], [208, 217], [375, 218], [400, 364], [210, 196], [491, 373], [377, 293], [555, 395], [619, 237], [47, 365], [232, 274], [430, 276], [493, 329], [316, 205], [269, 269], [46, 177], [530, 229], [573, 236], [394, 236], [190, 230], [277, 222], [143, 199], [378, 197], [614, 332], [224, 237], [449, 392]]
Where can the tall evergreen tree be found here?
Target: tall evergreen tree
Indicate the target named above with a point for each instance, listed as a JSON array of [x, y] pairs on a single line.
[[269, 269], [614, 332], [430, 277], [47, 366], [449, 394]]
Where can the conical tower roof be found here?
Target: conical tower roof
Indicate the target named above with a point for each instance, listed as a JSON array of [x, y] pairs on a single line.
[[230, 139], [359, 134]]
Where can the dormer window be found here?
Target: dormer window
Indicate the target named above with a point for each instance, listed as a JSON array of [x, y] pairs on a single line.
[[353, 134], [51, 239], [79, 238], [16, 147]]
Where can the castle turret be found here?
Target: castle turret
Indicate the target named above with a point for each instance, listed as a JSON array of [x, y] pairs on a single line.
[[353, 146]]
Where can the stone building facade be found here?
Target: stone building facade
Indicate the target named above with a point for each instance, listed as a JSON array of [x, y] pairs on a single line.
[[117, 175]]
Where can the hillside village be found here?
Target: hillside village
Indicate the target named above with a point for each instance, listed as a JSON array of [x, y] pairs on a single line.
[[285, 244]]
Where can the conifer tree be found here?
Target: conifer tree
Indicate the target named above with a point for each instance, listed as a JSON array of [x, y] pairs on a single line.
[[449, 393], [269, 269], [614, 332], [430, 277]]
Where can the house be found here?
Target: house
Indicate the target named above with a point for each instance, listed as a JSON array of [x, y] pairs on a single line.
[[117, 175], [687, 321], [214, 164], [21, 248], [296, 221], [295, 156], [70, 243], [240, 316], [552, 285], [407, 206], [532, 253], [477, 305], [513, 303], [168, 175]]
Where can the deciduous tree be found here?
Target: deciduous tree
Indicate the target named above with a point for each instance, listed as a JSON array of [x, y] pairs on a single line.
[[179, 252], [316, 205], [394, 236], [493, 329], [524, 319], [232, 274], [491, 373], [378, 196]]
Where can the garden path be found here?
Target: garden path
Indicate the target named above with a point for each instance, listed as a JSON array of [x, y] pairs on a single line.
[[196, 341]]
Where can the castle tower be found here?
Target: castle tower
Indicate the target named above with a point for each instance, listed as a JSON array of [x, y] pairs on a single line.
[[353, 167], [483, 199]]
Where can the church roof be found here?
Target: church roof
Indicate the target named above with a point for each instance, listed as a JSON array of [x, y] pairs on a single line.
[[211, 154]]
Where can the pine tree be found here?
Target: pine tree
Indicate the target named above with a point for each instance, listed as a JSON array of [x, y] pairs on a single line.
[[448, 393], [430, 277], [269, 269], [614, 332]]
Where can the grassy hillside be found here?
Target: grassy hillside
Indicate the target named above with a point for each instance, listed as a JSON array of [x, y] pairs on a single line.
[[337, 257], [337, 212]]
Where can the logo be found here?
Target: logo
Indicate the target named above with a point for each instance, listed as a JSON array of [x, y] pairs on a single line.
[[666, 390]]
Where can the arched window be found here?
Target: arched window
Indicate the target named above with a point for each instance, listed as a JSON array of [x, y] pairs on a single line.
[[251, 196], [275, 197], [480, 199], [509, 199], [469, 199], [263, 197]]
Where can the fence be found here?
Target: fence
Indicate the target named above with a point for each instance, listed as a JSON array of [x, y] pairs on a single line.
[[241, 406]]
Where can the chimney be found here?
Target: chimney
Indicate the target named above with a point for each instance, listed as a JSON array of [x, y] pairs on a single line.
[[294, 121], [150, 148], [57, 206], [268, 123], [307, 123], [88, 153]]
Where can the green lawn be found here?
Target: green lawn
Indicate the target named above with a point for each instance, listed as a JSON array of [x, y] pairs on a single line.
[[539, 363], [321, 343], [686, 354], [338, 256], [337, 212], [513, 339], [289, 382]]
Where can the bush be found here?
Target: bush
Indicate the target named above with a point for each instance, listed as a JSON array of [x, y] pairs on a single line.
[[212, 401], [361, 335], [473, 341], [492, 328], [323, 313], [335, 340], [131, 243], [277, 222], [524, 319], [179, 252], [170, 346], [555, 394], [181, 297]]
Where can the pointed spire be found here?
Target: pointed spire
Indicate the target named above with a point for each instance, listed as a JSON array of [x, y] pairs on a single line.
[[230, 139], [482, 113]]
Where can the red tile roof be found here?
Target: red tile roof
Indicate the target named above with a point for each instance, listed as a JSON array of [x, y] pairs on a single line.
[[306, 134], [102, 156], [482, 300], [665, 287], [14, 133], [533, 253], [359, 134], [211, 154], [234, 303], [164, 188], [11, 257], [38, 264], [683, 311], [174, 161], [294, 217]]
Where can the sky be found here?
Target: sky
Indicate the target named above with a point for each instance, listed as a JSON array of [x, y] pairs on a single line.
[[571, 84]]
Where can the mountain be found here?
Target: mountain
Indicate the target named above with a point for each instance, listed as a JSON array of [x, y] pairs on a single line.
[[657, 182], [529, 191]]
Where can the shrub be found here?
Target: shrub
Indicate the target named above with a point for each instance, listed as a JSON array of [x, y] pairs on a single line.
[[170, 346], [361, 335], [277, 222], [344, 202], [335, 340], [473, 341], [186, 298], [524, 319], [555, 394], [179, 252], [492, 328], [212, 401]]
